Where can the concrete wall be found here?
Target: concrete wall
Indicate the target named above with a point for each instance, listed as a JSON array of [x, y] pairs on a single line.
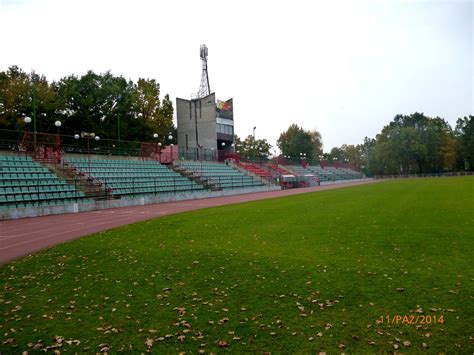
[[145, 200], [201, 112]]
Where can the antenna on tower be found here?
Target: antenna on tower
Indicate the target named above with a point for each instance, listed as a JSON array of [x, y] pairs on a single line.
[[204, 89]]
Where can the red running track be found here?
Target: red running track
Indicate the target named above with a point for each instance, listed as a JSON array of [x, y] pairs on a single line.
[[22, 237]]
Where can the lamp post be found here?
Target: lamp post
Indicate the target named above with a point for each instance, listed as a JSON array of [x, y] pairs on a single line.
[[88, 137], [200, 153], [58, 125], [58, 142], [222, 151], [170, 138], [303, 160], [27, 121], [34, 106], [156, 136]]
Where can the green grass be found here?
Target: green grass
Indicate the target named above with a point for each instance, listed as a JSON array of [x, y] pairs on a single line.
[[306, 273]]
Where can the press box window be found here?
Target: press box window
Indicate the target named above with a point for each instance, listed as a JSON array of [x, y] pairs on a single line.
[[225, 129]]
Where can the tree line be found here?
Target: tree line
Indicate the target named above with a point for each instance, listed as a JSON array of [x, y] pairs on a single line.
[[413, 144], [108, 105], [409, 144]]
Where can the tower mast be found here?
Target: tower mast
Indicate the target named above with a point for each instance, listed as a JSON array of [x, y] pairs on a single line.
[[204, 88]]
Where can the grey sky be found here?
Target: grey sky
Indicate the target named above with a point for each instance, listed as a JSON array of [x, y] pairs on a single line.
[[345, 68]]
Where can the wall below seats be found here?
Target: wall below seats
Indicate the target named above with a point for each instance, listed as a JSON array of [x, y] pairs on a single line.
[[342, 181], [143, 200]]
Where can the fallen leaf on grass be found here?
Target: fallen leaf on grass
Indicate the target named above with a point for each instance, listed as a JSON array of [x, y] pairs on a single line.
[[222, 343], [149, 342]]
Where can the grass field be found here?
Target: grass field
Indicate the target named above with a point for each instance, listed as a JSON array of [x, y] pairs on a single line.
[[343, 270]]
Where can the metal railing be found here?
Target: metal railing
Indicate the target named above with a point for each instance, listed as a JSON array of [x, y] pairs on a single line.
[[234, 182]]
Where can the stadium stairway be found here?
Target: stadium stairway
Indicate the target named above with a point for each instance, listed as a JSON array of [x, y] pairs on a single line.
[[26, 183]]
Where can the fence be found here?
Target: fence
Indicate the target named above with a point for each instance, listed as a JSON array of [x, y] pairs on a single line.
[[12, 140], [408, 176]]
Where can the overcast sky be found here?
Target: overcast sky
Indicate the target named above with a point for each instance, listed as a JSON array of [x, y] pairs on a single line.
[[345, 68]]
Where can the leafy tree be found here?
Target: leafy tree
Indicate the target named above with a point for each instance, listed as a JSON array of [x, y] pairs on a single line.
[[414, 144], [296, 140], [349, 154], [107, 105], [252, 149], [465, 134], [15, 98], [156, 116]]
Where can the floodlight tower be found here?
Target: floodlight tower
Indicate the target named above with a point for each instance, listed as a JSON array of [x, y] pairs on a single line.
[[204, 89]]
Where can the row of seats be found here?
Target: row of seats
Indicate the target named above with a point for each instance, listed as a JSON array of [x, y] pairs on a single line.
[[155, 190], [8, 190], [15, 158], [26, 176], [26, 183], [113, 162], [21, 169]]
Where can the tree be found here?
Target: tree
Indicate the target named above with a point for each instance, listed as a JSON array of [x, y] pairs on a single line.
[[414, 144], [15, 98], [115, 108], [252, 149], [350, 154], [295, 140], [155, 115], [107, 105], [465, 145]]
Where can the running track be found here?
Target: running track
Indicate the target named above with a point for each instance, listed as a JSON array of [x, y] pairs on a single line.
[[22, 237]]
